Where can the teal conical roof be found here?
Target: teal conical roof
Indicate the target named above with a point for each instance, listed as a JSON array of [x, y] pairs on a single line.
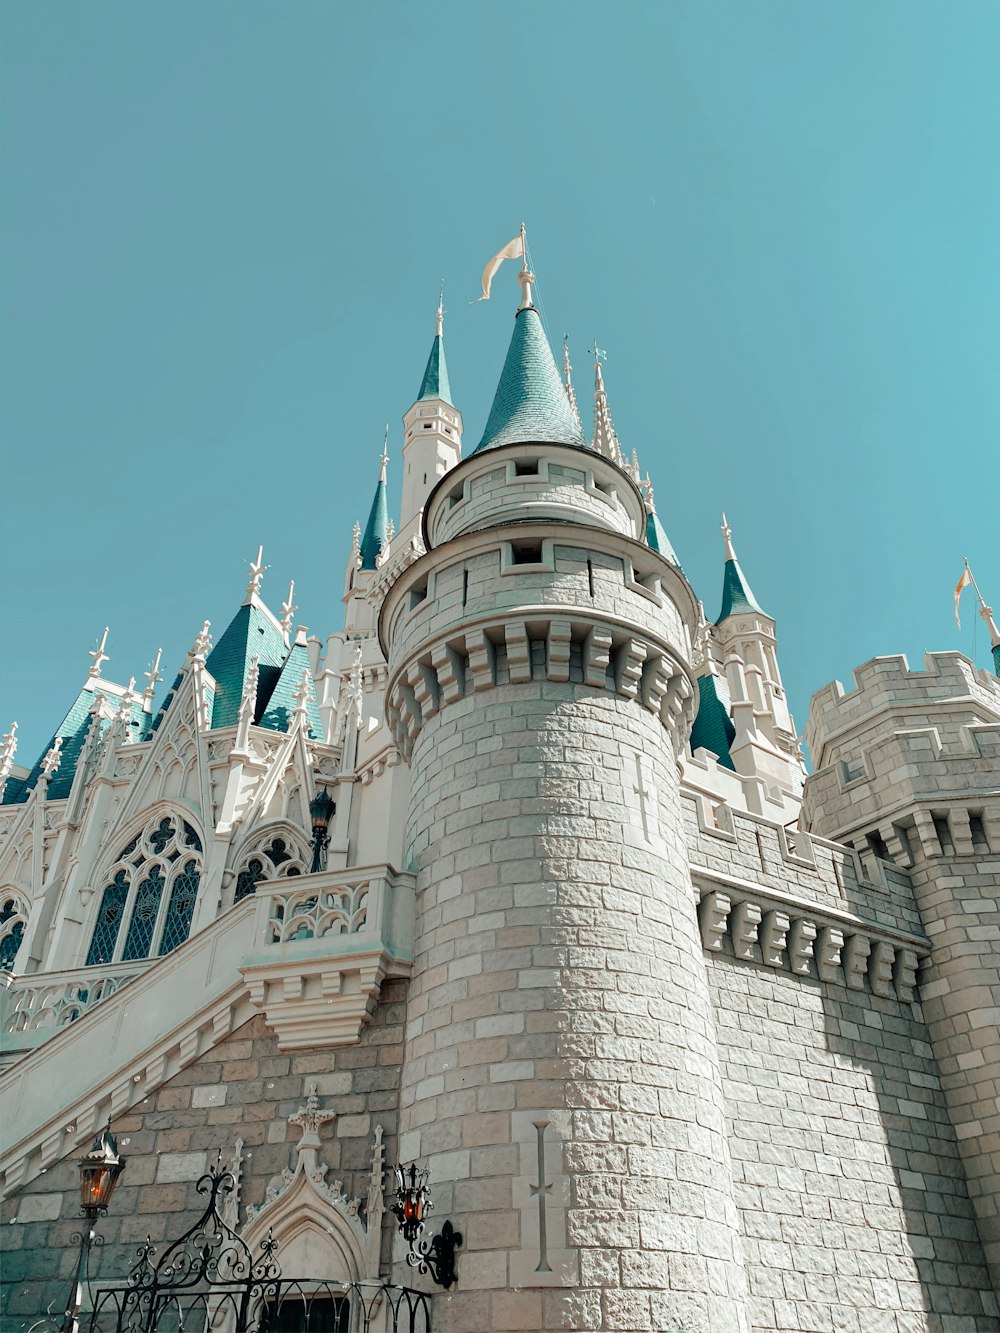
[[435, 383], [996, 659], [376, 535], [277, 713], [657, 538], [736, 595], [530, 405], [713, 728]]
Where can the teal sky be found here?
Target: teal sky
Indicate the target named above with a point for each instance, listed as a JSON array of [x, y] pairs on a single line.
[[223, 230]]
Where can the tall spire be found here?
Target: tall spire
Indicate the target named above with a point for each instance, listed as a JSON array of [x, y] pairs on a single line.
[[568, 380], [435, 384], [605, 439], [737, 597], [530, 405], [376, 535]]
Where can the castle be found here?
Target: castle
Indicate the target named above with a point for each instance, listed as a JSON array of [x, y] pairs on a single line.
[[687, 1039]]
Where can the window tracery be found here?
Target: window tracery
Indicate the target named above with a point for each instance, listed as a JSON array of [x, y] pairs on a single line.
[[276, 857], [13, 918], [153, 886]]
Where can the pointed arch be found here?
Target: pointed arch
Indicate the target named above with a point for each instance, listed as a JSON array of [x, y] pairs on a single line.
[[13, 923], [277, 849], [316, 1235], [147, 903]]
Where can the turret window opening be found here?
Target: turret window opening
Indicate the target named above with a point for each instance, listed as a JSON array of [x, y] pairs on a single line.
[[153, 887], [12, 922]]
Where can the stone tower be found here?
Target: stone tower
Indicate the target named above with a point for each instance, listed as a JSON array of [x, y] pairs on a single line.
[[907, 769], [560, 1077]]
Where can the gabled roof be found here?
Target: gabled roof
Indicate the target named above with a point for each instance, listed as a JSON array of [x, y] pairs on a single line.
[[713, 728], [277, 712], [252, 631], [530, 405], [435, 383]]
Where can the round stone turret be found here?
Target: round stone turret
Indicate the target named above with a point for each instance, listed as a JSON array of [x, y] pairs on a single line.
[[560, 1080]]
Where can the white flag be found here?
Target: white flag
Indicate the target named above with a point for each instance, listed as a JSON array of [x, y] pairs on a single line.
[[512, 250], [963, 582]]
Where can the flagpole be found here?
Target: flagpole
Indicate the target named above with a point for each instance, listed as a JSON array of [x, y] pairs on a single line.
[[982, 599]]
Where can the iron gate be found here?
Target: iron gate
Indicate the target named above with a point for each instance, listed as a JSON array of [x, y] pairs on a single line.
[[207, 1281]]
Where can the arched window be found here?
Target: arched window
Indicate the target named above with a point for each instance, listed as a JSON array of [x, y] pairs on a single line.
[[153, 885], [12, 918], [276, 858]]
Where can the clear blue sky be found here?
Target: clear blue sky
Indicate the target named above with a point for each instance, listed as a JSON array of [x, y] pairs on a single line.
[[223, 230]]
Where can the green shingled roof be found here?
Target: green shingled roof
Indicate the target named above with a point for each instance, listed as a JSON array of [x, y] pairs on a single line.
[[277, 713], [996, 659], [435, 383], [530, 405], [252, 631], [73, 730], [713, 728], [736, 595], [376, 536], [657, 538]]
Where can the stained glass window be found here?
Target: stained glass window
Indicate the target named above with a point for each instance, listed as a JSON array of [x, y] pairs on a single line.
[[109, 919], [277, 859], [177, 925], [191, 838], [278, 852], [247, 879], [162, 836], [144, 914], [9, 946]]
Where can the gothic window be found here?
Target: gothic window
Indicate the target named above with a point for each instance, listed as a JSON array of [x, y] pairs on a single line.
[[277, 857], [11, 932], [153, 887]]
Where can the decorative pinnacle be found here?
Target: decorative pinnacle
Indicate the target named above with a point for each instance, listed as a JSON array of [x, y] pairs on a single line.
[[256, 571], [153, 676], [288, 609], [301, 696], [568, 377], [248, 702], [385, 454], [97, 656], [8, 748], [356, 542], [440, 312], [202, 645], [52, 760], [727, 537]]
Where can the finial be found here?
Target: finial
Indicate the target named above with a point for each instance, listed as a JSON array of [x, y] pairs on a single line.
[[257, 570], [288, 609], [440, 311], [385, 454], [52, 760], [524, 249], [727, 537], [8, 748], [248, 702], [153, 676], [605, 439], [124, 714], [568, 378], [97, 656], [356, 542], [202, 645]]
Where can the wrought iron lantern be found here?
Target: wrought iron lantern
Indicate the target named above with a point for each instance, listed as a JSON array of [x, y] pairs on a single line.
[[434, 1257], [321, 808], [99, 1173]]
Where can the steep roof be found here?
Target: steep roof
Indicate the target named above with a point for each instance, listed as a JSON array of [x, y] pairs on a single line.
[[277, 712], [736, 595], [73, 731], [376, 534], [657, 538], [252, 631], [530, 404], [713, 728], [435, 383]]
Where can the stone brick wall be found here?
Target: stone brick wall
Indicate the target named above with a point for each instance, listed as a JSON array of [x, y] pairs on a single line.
[[559, 1022], [854, 1207], [244, 1087]]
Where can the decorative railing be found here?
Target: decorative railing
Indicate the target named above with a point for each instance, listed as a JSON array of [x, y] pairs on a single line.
[[365, 901], [52, 1000]]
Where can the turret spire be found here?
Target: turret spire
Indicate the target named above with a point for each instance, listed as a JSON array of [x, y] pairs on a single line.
[[435, 384], [737, 597], [376, 534], [530, 405]]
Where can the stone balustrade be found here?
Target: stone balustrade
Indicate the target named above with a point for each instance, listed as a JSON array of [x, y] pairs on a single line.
[[39, 1004]]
